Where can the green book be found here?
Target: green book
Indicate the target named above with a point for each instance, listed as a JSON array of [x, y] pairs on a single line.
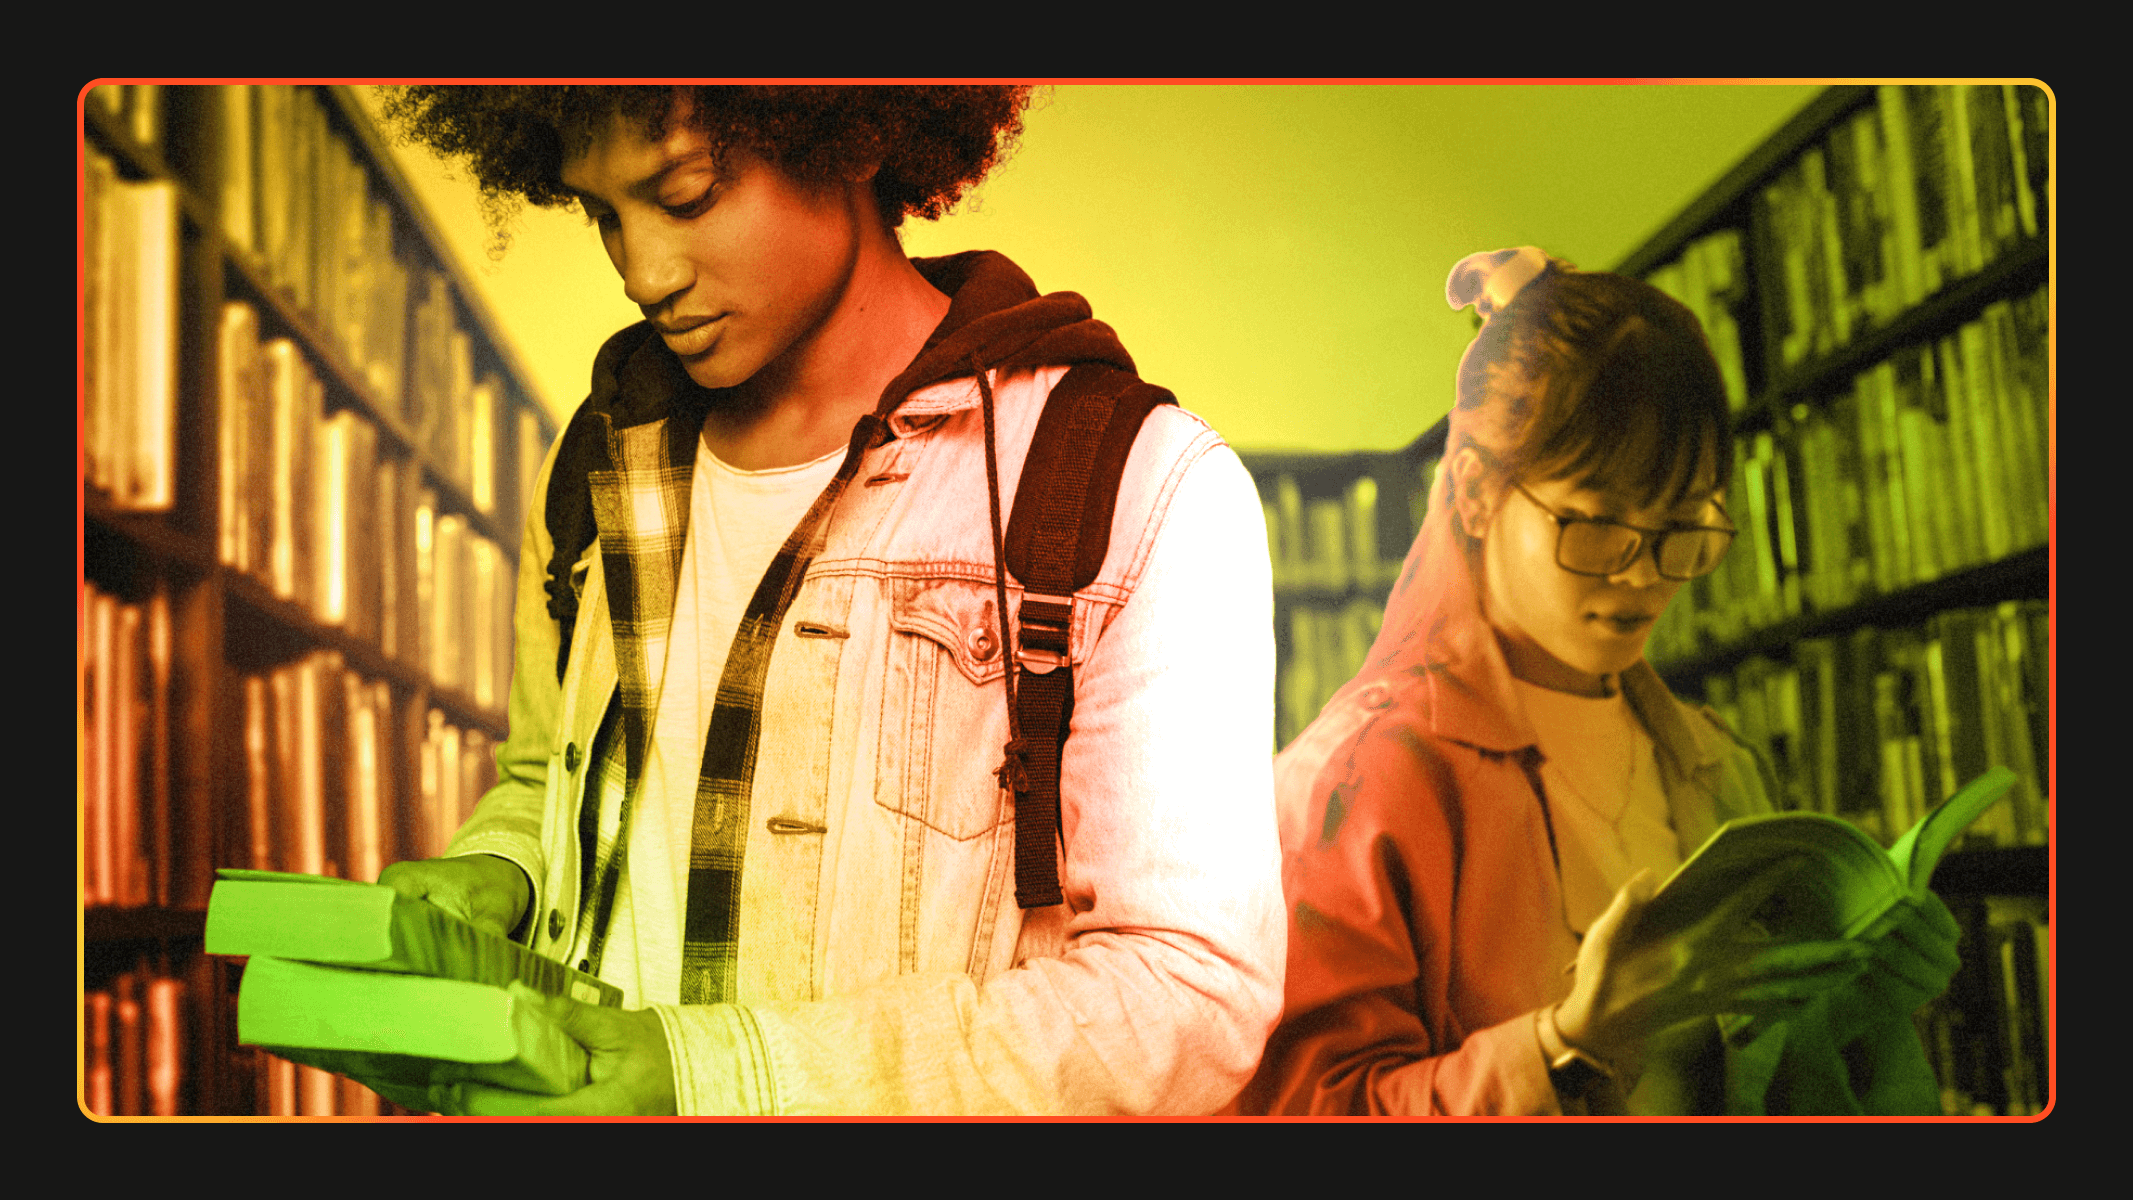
[[1845, 883], [320, 919], [401, 1034]]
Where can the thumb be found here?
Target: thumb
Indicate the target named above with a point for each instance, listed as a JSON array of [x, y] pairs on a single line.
[[1630, 899], [590, 1025]]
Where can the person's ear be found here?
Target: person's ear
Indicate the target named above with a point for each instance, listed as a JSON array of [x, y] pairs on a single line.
[[1472, 498]]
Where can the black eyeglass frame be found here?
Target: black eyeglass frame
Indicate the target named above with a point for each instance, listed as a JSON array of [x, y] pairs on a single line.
[[1655, 537]]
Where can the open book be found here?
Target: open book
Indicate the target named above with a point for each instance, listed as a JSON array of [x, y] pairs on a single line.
[[1843, 884], [359, 980]]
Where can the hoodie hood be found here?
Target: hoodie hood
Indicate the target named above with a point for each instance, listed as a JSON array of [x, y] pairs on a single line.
[[996, 320]]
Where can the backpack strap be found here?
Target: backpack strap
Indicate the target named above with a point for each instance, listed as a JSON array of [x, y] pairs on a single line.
[[1056, 541]]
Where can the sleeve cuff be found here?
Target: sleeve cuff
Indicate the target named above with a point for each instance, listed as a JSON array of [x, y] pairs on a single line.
[[721, 1063]]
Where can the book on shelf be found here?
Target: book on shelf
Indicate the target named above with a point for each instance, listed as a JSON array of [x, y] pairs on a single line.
[[133, 1045], [124, 693], [1988, 1038], [1839, 884], [1708, 278], [318, 741], [362, 981], [129, 324]]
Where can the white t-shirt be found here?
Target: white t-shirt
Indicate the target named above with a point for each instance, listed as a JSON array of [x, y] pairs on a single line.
[[737, 522], [1602, 777]]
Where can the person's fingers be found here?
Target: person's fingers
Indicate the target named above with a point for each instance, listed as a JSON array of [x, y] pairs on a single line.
[[1725, 920], [1801, 960]]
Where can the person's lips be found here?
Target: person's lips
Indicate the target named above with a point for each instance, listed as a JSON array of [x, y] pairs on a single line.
[[1625, 623], [691, 335]]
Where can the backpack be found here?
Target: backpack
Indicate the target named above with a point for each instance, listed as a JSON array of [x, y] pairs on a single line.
[[1056, 543]]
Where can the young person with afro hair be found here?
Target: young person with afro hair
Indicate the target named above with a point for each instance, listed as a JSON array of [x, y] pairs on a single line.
[[761, 772]]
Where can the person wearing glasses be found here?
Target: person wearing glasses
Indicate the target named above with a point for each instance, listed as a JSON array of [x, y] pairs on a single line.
[[1473, 819]]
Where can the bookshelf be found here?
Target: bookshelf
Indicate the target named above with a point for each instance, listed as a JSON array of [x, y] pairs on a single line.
[[1338, 528], [1874, 280], [307, 448]]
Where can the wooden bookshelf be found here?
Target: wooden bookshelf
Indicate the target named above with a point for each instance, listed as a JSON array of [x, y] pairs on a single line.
[[1889, 627], [166, 792]]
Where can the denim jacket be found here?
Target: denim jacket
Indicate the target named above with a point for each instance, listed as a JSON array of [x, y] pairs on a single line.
[[884, 964]]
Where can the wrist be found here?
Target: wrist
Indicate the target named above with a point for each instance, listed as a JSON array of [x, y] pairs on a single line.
[[1561, 1046]]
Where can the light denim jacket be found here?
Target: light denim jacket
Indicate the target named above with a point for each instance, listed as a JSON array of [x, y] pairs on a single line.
[[884, 964]]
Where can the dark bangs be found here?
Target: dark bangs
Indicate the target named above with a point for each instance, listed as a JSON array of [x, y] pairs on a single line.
[[1645, 416]]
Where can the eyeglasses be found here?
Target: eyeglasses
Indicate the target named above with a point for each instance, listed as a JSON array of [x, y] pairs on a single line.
[[1602, 547]]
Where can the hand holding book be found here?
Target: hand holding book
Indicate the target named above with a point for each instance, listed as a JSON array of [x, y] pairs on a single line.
[[632, 1070], [1631, 986], [1914, 958], [487, 892]]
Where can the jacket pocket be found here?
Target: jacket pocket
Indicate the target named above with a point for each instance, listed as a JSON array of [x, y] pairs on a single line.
[[944, 708]]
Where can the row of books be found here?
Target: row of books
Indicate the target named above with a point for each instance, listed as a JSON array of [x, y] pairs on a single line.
[[457, 412], [297, 200], [134, 1044], [1881, 724], [1710, 279], [129, 331], [1949, 446], [1330, 544], [298, 204], [312, 506], [324, 772], [1926, 185], [124, 693], [1324, 648], [1988, 1038], [1934, 460]]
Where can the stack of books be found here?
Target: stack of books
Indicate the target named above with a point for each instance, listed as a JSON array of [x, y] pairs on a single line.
[[360, 981]]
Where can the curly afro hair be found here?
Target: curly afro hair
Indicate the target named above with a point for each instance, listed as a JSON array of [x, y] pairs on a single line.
[[932, 143]]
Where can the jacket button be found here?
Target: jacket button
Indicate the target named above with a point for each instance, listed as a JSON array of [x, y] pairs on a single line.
[[570, 757], [984, 643], [585, 965], [555, 924]]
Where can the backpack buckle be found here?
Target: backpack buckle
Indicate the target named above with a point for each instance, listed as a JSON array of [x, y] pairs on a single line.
[[1045, 622]]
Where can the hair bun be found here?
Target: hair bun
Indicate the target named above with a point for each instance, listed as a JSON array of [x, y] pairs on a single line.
[[1490, 279]]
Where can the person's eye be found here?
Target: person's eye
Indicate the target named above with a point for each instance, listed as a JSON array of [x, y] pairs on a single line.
[[691, 205]]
